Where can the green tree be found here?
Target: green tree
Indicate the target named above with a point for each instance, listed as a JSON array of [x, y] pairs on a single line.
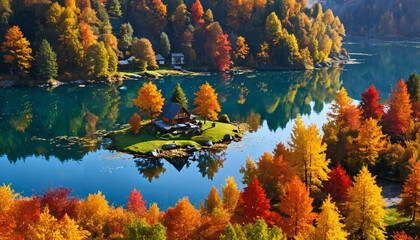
[[46, 62], [97, 61], [413, 87], [143, 231], [164, 45], [125, 35], [112, 60], [273, 29], [178, 96], [114, 8], [5, 12]]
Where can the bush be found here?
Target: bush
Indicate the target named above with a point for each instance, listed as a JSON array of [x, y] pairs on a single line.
[[224, 118]]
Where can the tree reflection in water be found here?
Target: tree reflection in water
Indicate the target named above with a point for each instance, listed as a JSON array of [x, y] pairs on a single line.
[[150, 168]]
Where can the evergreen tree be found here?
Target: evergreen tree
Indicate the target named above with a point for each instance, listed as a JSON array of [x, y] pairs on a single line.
[[178, 96], [114, 8], [112, 60], [164, 45], [413, 87], [46, 62], [97, 60]]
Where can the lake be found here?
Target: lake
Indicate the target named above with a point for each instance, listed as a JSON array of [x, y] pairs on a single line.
[[48, 136]]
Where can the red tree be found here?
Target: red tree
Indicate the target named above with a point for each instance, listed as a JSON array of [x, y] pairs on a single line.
[[338, 184], [197, 14], [26, 212], [223, 52], [59, 202], [254, 202], [369, 104], [135, 204], [397, 119], [135, 123]]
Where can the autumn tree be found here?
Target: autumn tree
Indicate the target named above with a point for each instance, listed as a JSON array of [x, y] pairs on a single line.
[[254, 202], [46, 62], [241, 49], [208, 17], [369, 104], [92, 214], [149, 100], [87, 35], [143, 51], [59, 202], [273, 29], [223, 52], [154, 215], [402, 236], [274, 172], [368, 145], [5, 13], [180, 18], [135, 123], [48, 227], [257, 231], [17, 52], [298, 206], [112, 60], [213, 201], [344, 113], [248, 171], [338, 184], [328, 225], [410, 204], [230, 194], [397, 119], [206, 101], [197, 12], [181, 220], [366, 208], [69, 38], [308, 154], [97, 61], [178, 97]]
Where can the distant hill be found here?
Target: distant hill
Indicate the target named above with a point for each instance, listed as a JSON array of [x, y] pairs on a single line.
[[389, 19]]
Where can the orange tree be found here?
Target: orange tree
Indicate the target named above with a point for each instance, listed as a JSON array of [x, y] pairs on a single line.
[[17, 51], [207, 103], [149, 100]]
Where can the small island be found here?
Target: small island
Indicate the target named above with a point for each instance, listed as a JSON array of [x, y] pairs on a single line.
[[172, 131]]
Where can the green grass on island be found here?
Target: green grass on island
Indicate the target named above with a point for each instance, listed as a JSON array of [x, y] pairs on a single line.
[[145, 140], [396, 223]]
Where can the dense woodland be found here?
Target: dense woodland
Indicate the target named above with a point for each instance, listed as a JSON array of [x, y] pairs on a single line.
[[313, 187], [83, 39], [378, 18]]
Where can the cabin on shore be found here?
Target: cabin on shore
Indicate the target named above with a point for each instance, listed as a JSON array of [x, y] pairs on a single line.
[[177, 59], [174, 113], [160, 59]]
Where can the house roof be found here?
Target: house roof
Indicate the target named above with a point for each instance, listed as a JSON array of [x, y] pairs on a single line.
[[171, 109], [159, 57], [177, 54]]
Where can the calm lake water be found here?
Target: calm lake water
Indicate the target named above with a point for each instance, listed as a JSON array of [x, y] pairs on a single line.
[[39, 126]]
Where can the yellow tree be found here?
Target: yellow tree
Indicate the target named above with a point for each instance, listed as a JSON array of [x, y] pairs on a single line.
[[241, 49], [368, 144], [273, 29], [230, 194], [93, 213], [345, 114], [69, 38], [366, 208], [7, 196], [207, 103], [182, 220], [308, 154], [17, 52], [410, 204], [328, 225], [149, 100], [213, 201]]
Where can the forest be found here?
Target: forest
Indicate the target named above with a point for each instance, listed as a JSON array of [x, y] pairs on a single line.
[[377, 18], [313, 186], [70, 40]]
